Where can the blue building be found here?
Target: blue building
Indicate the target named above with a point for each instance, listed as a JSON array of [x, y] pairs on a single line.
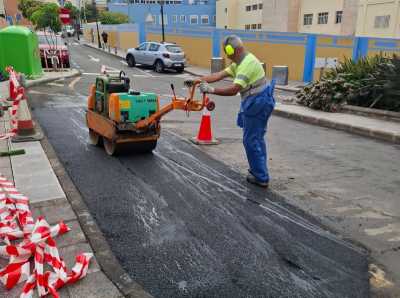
[[176, 12]]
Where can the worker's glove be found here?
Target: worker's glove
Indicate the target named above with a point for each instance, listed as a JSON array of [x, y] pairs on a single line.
[[206, 88], [189, 83]]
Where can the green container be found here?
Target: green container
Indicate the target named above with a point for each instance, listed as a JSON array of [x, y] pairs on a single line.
[[19, 48], [137, 107]]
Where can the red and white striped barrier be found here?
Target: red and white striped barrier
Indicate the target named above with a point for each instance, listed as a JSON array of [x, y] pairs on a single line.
[[17, 93], [36, 242]]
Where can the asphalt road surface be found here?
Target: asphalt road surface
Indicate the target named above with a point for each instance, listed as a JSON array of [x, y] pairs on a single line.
[[183, 224]]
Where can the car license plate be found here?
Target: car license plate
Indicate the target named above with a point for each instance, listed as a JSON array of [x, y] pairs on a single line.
[[178, 64]]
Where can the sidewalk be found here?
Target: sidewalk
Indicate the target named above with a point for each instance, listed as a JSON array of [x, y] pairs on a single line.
[[39, 175], [34, 177]]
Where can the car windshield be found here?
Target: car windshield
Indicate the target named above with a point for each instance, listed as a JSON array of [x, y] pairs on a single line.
[[173, 49], [50, 40]]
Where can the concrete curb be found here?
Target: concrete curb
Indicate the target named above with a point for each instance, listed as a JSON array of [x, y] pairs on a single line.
[[374, 113], [102, 51], [376, 134], [32, 83]]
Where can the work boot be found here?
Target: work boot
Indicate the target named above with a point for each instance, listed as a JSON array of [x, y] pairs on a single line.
[[253, 180]]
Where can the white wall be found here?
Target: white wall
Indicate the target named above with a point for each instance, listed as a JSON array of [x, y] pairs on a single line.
[[318, 6], [370, 9]]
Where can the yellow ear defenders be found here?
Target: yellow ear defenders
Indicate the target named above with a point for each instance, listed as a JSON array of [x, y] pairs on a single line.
[[229, 50]]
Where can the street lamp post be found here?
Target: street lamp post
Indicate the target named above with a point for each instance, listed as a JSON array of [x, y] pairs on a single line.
[[162, 20]]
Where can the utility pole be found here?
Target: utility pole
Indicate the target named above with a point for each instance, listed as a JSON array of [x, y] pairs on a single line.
[[162, 20], [97, 23], [78, 26]]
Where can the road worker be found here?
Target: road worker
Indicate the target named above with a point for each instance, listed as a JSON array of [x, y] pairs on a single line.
[[256, 106]]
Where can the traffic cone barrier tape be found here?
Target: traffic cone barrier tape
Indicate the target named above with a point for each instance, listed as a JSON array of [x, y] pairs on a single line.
[[22, 126], [37, 243]]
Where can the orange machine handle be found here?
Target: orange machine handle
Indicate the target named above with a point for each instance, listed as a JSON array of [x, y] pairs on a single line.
[[185, 104]]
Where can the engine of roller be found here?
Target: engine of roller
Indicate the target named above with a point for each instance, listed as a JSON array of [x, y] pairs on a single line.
[[113, 98]]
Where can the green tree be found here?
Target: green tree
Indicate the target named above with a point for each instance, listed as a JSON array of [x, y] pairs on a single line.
[[89, 12], [28, 7], [74, 11], [46, 18], [112, 18]]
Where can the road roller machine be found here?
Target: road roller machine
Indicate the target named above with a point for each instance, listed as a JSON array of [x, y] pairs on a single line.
[[121, 119]]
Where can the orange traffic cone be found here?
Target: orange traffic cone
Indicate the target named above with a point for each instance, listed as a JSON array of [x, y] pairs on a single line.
[[25, 127], [204, 136]]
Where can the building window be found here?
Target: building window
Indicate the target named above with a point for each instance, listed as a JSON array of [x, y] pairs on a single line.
[[255, 7], [254, 26], [259, 26], [154, 47], [174, 19], [248, 8], [214, 19], [165, 19], [226, 10], [308, 19], [339, 16], [194, 19], [382, 21], [247, 27], [323, 18], [183, 19], [204, 20], [260, 6]]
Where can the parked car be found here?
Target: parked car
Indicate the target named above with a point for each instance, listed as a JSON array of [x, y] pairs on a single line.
[[69, 30], [159, 55], [53, 46]]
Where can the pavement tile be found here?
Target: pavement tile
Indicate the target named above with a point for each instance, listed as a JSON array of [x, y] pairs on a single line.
[[3, 145], [5, 162], [17, 290], [95, 285], [39, 194], [36, 212], [40, 183], [69, 254], [73, 237], [7, 172], [49, 203], [53, 214]]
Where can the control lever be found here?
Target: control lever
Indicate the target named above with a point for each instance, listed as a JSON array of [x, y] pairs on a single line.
[[173, 90]]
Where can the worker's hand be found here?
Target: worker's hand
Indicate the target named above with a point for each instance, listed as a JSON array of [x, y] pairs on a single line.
[[189, 83], [206, 88]]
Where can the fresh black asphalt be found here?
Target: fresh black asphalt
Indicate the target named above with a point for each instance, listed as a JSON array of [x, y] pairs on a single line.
[[185, 225]]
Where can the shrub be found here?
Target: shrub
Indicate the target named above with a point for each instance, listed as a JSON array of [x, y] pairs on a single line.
[[113, 18], [370, 82]]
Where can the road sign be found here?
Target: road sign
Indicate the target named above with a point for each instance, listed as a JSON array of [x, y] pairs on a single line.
[[64, 16]]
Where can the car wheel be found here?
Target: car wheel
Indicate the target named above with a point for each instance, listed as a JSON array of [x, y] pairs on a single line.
[[180, 69], [131, 60], [159, 66]]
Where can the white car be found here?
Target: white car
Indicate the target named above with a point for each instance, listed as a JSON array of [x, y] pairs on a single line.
[[69, 30], [159, 55]]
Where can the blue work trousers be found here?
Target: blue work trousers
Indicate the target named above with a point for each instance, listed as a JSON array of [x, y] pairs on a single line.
[[253, 117]]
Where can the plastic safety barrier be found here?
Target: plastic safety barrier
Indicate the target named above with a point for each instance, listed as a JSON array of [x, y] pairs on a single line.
[[26, 240], [17, 93]]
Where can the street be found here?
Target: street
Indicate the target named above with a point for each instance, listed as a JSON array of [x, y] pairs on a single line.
[[184, 224]]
